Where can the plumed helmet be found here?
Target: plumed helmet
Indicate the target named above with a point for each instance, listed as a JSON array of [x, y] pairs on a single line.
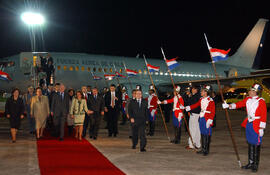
[[151, 87], [256, 87], [139, 87], [207, 88], [124, 88], [177, 88]]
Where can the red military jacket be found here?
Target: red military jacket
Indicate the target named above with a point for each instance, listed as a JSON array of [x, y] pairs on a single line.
[[152, 103], [176, 105], [124, 99], [207, 108], [256, 111]]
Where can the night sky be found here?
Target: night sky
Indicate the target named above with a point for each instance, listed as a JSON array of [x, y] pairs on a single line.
[[128, 27]]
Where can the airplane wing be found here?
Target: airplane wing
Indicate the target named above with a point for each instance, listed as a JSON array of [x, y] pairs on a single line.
[[223, 81], [227, 80]]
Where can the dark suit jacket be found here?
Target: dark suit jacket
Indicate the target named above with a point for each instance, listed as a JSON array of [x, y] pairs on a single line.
[[140, 114], [95, 105], [58, 105], [117, 102]]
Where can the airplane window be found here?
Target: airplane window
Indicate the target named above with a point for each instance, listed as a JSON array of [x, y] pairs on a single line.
[[94, 69], [58, 67], [76, 68], [65, 67], [105, 69], [71, 68], [100, 69], [110, 69], [88, 69], [82, 68]]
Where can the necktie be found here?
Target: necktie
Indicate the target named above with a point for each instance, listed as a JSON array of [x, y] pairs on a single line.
[[95, 97], [139, 101], [112, 101], [85, 96]]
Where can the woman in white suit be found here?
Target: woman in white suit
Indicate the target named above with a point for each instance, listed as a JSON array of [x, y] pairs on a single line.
[[78, 110]]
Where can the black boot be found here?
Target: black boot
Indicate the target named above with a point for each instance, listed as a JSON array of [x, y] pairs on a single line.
[[257, 150], [176, 139], [207, 145], [203, 138], [250, 157]]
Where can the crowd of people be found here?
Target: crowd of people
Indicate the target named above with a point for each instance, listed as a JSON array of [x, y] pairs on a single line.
[[53, 107]]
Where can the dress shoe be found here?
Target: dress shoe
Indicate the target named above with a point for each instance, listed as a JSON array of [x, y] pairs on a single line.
[[109, 135], [13, 141], [95, 138], [143, 150], [133, 147], [130, 137], [115, 135], [91, 137]]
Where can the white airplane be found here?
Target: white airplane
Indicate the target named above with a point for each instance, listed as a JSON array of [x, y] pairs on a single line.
[[76, 69]]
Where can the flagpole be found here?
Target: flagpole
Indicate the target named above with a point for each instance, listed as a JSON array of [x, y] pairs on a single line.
[[116, 75], [106, 81], [128, 76], [94, 79], [167, 133], [117, 78], [222, 98], [164, 57]]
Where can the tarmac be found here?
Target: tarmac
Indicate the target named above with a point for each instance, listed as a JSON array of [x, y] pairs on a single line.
[[161, 158]]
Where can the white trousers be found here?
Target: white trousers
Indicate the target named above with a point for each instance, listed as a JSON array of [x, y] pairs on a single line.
[[194, 129]]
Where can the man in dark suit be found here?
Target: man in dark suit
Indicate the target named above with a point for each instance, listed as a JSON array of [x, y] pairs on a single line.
[[138, 113], [59, 111], [96, 103], [112, 109], [87, 117]]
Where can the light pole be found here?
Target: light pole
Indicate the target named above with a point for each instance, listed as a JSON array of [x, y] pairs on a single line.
[[34, 21]]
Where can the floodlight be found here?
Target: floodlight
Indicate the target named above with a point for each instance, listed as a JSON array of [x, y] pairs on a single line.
[[31, 18]]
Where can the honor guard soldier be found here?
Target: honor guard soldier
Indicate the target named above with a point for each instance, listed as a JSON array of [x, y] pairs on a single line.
[[152, 106], [124, 102], [254, 123], [177, 101], [206, 117]]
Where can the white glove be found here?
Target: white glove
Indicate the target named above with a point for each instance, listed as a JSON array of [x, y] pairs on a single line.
[[182, 107], [188, 108], [261, 132], [153, 113], [225, 105], [208, 123], [179, 119], [158, 102]]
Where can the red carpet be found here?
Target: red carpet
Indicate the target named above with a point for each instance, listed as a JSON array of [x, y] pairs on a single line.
[[72, 157]]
